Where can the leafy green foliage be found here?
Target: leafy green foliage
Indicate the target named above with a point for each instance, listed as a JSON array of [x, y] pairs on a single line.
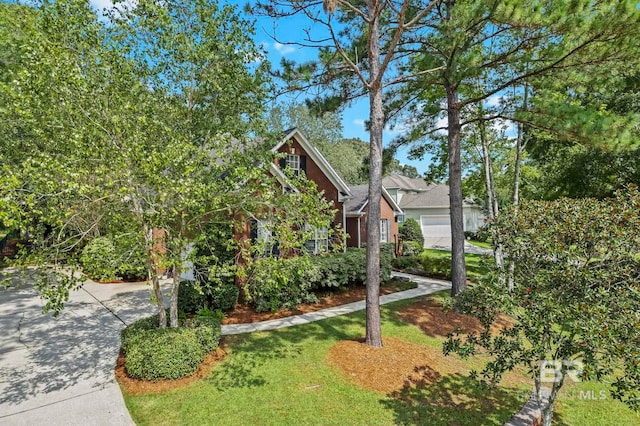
[[410, 230], [109, 258], [411, 248], [154, 353], [99, 259], [224, 297], [191, 297], [275, 283], [407, 262], [339, 270], [576, 294]]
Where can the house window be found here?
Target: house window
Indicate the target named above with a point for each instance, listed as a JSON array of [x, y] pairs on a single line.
[[262, 239], [384, 230], [293, 162], [400, 218], [319, 243]]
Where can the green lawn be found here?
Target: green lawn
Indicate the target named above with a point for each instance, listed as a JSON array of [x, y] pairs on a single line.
[[477, 264], [481, 244], [282, 378], [591, 403]]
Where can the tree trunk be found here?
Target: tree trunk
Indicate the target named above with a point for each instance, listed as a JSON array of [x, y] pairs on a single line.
[[547, 402], [516, 187], [458, 267], [173, 313], [373, 326], [492, 199], [152, 273]]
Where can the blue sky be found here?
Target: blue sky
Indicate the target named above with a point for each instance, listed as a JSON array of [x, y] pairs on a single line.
[[291, 29]]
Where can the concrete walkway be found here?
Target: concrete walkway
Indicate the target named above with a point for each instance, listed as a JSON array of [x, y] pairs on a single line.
[[425, 286], [59, 371]]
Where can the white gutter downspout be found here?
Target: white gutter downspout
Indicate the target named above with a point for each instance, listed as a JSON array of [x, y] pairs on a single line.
[[359, 217], [344, 228]]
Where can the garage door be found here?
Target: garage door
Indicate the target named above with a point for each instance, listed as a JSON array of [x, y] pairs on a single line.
[[435, 226]]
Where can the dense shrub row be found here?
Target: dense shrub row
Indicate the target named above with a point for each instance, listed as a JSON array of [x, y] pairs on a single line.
[[433, 266], [276, 283], [153, 353]]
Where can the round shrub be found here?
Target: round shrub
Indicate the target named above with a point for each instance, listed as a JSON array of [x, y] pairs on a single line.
[[410, 230], [411, 248], [153, 353], [99, 259]]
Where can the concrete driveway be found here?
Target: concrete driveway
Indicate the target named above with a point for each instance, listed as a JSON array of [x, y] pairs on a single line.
[[59, 371], [444, 243]]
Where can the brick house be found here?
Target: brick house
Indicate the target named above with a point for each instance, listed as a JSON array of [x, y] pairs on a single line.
[[351, 202]]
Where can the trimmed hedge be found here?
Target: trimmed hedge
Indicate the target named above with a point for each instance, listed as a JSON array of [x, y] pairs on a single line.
[[153, 353], [224, 297], [275, 283], [191, 297]]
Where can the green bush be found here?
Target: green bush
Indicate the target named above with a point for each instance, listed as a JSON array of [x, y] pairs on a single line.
[[224, 297], [191, 297], [99, 259], [153, 353], [481, 234], [114, 257], [275, 283], [410, 230], [194, 296], [130, 258], [348, 268], [411, 248], [407, 262], [437, 266]]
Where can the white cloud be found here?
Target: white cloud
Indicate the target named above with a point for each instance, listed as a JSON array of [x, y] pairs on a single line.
[[442, 123], [359, 122], [283, 49]]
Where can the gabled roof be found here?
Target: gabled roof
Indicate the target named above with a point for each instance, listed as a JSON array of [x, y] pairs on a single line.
[[318, 159], [436, 195], [360, 199], [406, 183]]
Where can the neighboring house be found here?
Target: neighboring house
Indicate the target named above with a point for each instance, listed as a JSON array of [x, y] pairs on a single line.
[[357, 208], [429, 205]]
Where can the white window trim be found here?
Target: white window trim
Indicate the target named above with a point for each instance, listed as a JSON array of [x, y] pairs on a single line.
[[320, 240], [293, 162], [384, 230]]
